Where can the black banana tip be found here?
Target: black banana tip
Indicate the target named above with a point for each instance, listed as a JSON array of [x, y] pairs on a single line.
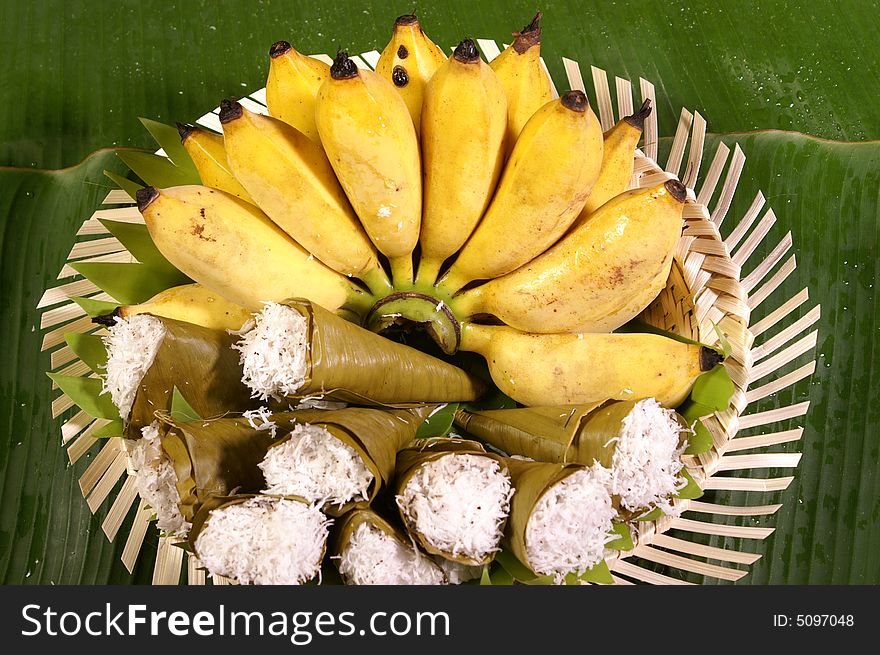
[[575, 100], [709, 358], [637, 120], [279, 48], [677, 190], [466, 52], [230, 109], [184, 130], [406, 19], [343, 67], [145, 196], [530, 35], [108, 320]]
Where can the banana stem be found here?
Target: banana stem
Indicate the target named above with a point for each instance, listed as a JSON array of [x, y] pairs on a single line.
[[453, 280], [476, 338], [377, 281], [402, 271], [428, 270], [468, 303], [359, 302]]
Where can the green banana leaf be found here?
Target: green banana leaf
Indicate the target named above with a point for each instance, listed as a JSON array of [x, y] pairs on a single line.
[[744, 66]]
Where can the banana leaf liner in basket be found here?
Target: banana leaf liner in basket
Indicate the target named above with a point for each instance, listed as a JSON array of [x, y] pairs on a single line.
[[347, 363], [715, 284]]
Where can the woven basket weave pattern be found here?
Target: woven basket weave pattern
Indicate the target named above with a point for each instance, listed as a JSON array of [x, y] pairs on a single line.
[[707, 287]]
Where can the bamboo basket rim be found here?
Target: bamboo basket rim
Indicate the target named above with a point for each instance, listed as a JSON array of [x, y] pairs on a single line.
[[708, 286]]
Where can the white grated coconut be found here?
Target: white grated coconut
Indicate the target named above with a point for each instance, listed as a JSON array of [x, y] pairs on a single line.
[[273, 352], [570, 524], [317, 466], [261, 419], [456, 572], [132, 344], [373, 557], [264, 540], [157, 481], [646, 466], [458, 503]]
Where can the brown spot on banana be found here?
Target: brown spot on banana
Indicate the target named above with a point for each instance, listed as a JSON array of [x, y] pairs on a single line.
[[399, 76]]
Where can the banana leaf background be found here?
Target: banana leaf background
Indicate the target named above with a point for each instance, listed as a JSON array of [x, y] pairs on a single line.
[[794, 83]]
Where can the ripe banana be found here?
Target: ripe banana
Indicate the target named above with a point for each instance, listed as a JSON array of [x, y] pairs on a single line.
[[232, 248], [408, 61], [191, 303], [525, 81], [464, 119], [618, 158], [293, 83], [543, 188], [368, 135], [599, 276], [208, 153], [289, 177], [567, 369]]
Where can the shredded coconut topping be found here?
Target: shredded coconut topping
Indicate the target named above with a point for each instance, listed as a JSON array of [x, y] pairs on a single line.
[[132, 344], [157, 481], [261, 419], [456, 572], [373, 557], [264, 541], [314, 464], [458, 503], [647, 462], [571, 523], [273, 352]]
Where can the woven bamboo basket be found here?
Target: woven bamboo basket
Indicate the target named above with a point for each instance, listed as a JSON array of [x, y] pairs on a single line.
[[713, 282]]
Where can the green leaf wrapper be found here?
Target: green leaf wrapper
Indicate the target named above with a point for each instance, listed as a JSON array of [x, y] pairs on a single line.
[[531, 480], [89, 348], [354, 365], [375, 435], [168, 138], [213, 458], [86, 393], [345, 527], [409, 461], [202, 364]]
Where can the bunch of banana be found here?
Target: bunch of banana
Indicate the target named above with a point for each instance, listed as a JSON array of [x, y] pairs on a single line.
[[442, 193]]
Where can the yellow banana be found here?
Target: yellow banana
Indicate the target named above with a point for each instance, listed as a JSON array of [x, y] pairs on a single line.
[[369, 138], [232, 248], [408, 61], [289, 177], [525, 81], [464, 118], [617, 161], [293, 83], [543, 188], [567, 369], [191, 303], [596, 278], [208, 153]]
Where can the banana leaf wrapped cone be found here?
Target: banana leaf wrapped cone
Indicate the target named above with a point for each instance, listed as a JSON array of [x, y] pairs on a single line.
[[454, 498], [560, 516], [339, 458], [148, 356], [298, 349], [179, 464], [368, 550], [255, 539], [639, 441]]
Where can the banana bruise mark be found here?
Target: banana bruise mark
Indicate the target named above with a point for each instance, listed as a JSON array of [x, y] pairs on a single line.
[[402, 52], [399, 76]]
